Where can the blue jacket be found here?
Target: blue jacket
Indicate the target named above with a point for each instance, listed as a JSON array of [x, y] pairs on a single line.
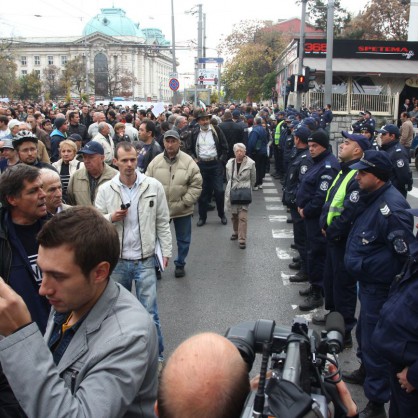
[[56, 138], [376, 246], [314, 186], [258, 139], [299, 165], [396, 333], [18, 273]]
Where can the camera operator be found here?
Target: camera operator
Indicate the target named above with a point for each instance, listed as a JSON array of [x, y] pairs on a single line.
[[207, 377]]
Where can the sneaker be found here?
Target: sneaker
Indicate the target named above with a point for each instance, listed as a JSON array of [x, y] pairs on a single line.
[[319, 319], [356, 377], [234, 237], [373, 410], [260, 187], [201, 222], [255, 188], [314, 300], [242, 245], [299, 277], [179, 272]]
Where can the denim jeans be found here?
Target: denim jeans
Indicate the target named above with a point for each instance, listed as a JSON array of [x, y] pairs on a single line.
[[183, 227], [145, 278]]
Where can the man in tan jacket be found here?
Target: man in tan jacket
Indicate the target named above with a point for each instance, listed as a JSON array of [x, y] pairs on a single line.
[[182, 182], [407, 131]]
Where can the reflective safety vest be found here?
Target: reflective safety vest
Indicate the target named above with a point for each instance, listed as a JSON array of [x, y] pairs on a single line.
[[336, 207], [277, 133]]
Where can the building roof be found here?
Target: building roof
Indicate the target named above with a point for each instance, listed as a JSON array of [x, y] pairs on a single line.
[[113, 22], [292, 28]]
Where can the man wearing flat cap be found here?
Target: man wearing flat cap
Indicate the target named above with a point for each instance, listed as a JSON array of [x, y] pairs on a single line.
[[182, 182], [209, 148], [341, 206], [376, 250], [310, 199], [84, 183], [401, 176]]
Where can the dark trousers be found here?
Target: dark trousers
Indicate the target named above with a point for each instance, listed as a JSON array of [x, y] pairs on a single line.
[[340, 288], [402, 404], [299, 234], [316, 251], [278, 160], [376, 386], [212, 175], [260, 166]]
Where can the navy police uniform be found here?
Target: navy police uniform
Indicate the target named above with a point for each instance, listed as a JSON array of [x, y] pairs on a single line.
[[311, 197], [396, 336], [299, 165], [401, 174], [375, 252]]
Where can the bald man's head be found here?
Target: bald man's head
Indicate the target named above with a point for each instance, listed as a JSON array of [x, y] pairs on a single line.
[[205, 377]]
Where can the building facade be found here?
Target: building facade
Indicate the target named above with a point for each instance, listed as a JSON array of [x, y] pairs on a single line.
[[119, 58]]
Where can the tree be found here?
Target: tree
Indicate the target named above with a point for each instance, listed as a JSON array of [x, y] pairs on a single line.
[[52, 82], [252, 47], [317, 12], [8, 81], [380, 20], [30, 86], [74, 76], [120, 82]]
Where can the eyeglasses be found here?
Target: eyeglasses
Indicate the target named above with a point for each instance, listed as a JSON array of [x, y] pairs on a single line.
[[27, 150]]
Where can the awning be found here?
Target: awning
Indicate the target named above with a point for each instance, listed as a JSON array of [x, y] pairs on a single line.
[[365, 66]]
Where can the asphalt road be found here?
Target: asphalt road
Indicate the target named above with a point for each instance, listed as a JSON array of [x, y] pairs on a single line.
[[225, 285]]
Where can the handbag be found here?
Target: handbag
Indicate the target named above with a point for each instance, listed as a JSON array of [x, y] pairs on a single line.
[[240, 196]]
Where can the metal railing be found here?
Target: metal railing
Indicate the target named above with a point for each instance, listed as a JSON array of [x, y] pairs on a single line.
[[352, 104]]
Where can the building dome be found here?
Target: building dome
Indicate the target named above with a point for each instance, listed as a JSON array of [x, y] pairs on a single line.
[[113, 22]]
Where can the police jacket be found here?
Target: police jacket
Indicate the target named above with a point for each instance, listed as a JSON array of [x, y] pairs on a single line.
[[396, 333], [314, 186], [288, 146], [326, 118], [375, 249], [300, 163], [364, 124], [339, 228], [401, 174]]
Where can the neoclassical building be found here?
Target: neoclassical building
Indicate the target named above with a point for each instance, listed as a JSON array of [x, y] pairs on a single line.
[[111, 45]]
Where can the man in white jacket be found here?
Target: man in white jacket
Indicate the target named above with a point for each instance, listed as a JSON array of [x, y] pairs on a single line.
[[137, 206]]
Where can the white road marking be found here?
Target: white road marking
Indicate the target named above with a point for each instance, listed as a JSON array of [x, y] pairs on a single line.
[[273, 207], [270, 191], [277, 218], [282, 233], [282, 254], [414, 192], [285, 278], [272, 199]]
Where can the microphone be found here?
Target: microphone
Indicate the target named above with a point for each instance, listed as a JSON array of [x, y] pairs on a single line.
[[335, 328]]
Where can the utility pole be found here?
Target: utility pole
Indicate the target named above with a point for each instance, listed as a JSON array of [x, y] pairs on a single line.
[[173, 36], [301, 51], [330, 48]]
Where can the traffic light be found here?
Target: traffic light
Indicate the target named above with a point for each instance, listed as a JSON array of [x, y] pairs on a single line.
[[310, 76], [300, 85]]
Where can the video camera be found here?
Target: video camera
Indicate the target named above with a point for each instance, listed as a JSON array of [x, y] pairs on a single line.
[[299, 383]]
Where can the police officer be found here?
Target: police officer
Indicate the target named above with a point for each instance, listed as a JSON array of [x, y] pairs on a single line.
[[326, 118], [286, 143], [399, 317], [369, 133], [375, 252], [341, 205], [299, 164], [401, 174], [310, 199], [365, 121], [277, 151]]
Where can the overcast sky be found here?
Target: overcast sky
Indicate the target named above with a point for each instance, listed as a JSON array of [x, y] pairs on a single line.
[[68, 18]]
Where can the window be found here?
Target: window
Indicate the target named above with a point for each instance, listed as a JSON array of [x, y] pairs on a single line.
[[24, 72], [38, 73], [37, 60], [63, 59], [50, 60], [23, 61]]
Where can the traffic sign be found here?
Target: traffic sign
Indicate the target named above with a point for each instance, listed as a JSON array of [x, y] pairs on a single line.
[[211, 60], [174, 84], [173, 75]]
